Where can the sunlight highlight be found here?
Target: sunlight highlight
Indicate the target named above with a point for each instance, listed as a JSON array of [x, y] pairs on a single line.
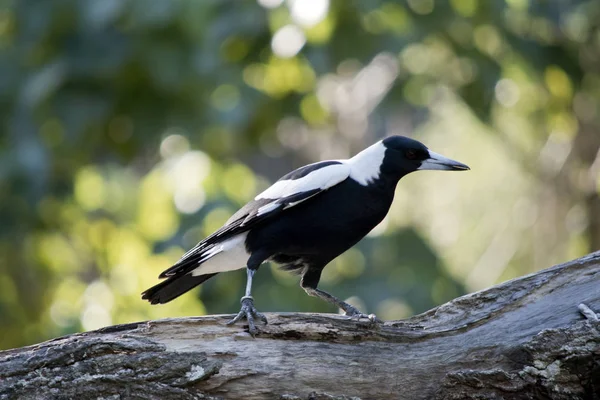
[[288, 41], [308, 13]]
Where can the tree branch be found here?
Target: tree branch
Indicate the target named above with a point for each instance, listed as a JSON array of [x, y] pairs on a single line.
[[522, 339]]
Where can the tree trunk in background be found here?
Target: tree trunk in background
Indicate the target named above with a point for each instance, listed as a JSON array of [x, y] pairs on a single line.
[[587, 150], [586, 157], [524, 339]]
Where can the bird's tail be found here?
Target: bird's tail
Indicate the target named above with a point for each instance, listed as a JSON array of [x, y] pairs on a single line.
[[173, 287]]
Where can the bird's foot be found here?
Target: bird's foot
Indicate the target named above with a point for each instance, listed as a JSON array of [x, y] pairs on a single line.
[[249, 312], [354, 313]]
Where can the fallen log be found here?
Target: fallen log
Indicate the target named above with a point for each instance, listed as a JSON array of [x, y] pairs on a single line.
[[535, 337]]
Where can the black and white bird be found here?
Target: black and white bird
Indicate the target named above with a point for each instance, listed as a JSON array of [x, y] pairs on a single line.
[[303, 221]]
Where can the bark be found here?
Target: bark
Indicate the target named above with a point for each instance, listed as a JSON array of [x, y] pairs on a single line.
[[530, 338]]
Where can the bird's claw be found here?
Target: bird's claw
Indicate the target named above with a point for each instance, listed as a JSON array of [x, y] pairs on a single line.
[[353, 313], [249, 312]]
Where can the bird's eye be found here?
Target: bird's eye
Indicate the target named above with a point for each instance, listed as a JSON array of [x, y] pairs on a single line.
[[411, 154]]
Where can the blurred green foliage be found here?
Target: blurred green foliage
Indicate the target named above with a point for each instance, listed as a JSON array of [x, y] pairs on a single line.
[[133, 128]]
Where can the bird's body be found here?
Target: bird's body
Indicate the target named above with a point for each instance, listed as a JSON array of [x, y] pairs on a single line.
[[328, 227], [303, 221]]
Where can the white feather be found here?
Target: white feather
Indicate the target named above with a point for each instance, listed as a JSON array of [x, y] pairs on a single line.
[[322, 178], [267, 208], [229, 255], [293, 203]]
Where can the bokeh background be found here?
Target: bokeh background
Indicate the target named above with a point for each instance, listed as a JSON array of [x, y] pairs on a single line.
[[133, 128]]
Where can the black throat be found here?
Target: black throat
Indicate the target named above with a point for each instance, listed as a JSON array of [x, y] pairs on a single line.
[[388, 178]]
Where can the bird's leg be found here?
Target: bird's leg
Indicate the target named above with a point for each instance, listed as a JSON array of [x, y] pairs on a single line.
[[350, 310], [248, 310], [309, 282]]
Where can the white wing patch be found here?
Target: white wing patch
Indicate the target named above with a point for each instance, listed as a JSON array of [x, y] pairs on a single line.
[[229, 255], [364, 168], [322, 178]]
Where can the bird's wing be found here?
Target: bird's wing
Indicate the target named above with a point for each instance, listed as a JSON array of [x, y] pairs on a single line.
[[292, 189]]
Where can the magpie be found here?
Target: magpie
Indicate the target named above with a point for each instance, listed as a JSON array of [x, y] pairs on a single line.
[[302, 222]]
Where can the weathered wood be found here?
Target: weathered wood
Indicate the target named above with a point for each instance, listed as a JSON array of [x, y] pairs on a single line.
[[524, 339]]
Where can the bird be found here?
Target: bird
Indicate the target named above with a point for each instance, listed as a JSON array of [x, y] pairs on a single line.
[[302, 222]]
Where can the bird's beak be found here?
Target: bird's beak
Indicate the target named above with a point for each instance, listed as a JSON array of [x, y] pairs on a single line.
[[438, 161]]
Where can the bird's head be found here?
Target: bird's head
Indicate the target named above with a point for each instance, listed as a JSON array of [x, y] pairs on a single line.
[[404, 155]]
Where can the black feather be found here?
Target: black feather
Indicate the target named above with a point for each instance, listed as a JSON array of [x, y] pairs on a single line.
[[173, 287], [245, 219]]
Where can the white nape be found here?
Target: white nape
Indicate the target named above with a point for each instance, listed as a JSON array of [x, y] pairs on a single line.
[[365, 167], [229, 255]]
